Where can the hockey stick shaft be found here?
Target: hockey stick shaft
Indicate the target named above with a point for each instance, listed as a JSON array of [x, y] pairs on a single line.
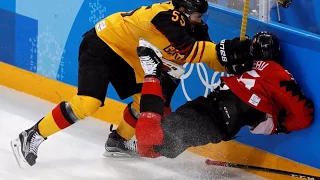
[[244, 22], [256, 168]]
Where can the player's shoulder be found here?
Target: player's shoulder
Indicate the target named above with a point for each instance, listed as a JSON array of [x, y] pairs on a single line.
[[166, 15], [164, 9], [276, 66], [160, 7], [271, 69], [266, 66]]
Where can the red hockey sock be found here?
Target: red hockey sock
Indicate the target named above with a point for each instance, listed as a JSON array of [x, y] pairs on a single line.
[[148, 129], [151, 85], [149, 133]]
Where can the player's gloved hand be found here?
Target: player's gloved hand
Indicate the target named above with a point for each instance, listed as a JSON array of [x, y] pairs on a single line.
[[235, 55], [281, 128], [240, 68]]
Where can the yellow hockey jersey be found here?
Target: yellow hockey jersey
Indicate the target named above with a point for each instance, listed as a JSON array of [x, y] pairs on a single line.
[[162, 26]]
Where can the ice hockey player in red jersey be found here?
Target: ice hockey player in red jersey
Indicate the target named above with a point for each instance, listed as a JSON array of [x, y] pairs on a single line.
[[265, 98]]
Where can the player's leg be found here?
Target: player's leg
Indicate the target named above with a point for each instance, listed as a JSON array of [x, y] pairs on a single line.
[[195, 123], [169, 85], [119, 140], [123, 79], [126, 128], [212, 119], [148, 130], [93, 79]]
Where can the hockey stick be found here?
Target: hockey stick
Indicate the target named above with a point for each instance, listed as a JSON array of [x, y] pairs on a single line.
[[244, 22], [256, 168]]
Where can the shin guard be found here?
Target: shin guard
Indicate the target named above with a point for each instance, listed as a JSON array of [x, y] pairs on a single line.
[[126, 128]]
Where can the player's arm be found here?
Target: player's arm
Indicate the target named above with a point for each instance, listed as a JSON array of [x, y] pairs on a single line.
[[173, 25]]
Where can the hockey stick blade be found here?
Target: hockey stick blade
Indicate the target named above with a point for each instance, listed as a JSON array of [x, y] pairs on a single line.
[[256, 168]]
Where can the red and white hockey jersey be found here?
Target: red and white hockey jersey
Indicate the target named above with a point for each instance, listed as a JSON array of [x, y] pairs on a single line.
[[271, 89]]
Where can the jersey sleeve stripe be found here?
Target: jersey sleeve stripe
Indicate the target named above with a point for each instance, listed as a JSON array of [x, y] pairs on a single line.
[[202, 51], [186, 47], [195, 52]]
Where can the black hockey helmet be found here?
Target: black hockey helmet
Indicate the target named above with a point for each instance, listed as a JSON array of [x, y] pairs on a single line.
[[200, 6], [266, 46]]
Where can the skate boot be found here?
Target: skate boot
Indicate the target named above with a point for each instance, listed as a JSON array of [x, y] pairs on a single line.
[[118, 146], [25, 148], [151, 61], [150, 58]]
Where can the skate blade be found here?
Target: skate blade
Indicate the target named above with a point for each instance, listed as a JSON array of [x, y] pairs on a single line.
[[117, 154], [16, 148]]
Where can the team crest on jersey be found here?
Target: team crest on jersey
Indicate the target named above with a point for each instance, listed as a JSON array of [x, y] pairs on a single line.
[[101, 25]]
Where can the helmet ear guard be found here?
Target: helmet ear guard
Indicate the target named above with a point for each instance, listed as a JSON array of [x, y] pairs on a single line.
[[266, 46]]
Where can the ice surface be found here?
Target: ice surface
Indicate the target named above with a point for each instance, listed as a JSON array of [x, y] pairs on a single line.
[[76, 152]]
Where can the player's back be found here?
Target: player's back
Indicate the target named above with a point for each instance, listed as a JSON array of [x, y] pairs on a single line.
[[122, 30], [139, 21], [281, 87], [136, 23], [268, 84]]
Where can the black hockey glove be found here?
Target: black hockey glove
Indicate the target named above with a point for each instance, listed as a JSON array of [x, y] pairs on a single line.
[[235, 55], [240, 68], [280, 127]]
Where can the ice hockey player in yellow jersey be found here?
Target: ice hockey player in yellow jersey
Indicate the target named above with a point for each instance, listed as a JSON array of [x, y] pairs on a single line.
[[107, 54], [175, 27]]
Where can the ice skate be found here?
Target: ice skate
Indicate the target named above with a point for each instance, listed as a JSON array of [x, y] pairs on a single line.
[[150, 58], [118, 146], [25, 147]]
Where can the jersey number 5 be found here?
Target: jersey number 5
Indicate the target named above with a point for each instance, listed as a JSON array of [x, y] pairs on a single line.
[[177, 16]]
